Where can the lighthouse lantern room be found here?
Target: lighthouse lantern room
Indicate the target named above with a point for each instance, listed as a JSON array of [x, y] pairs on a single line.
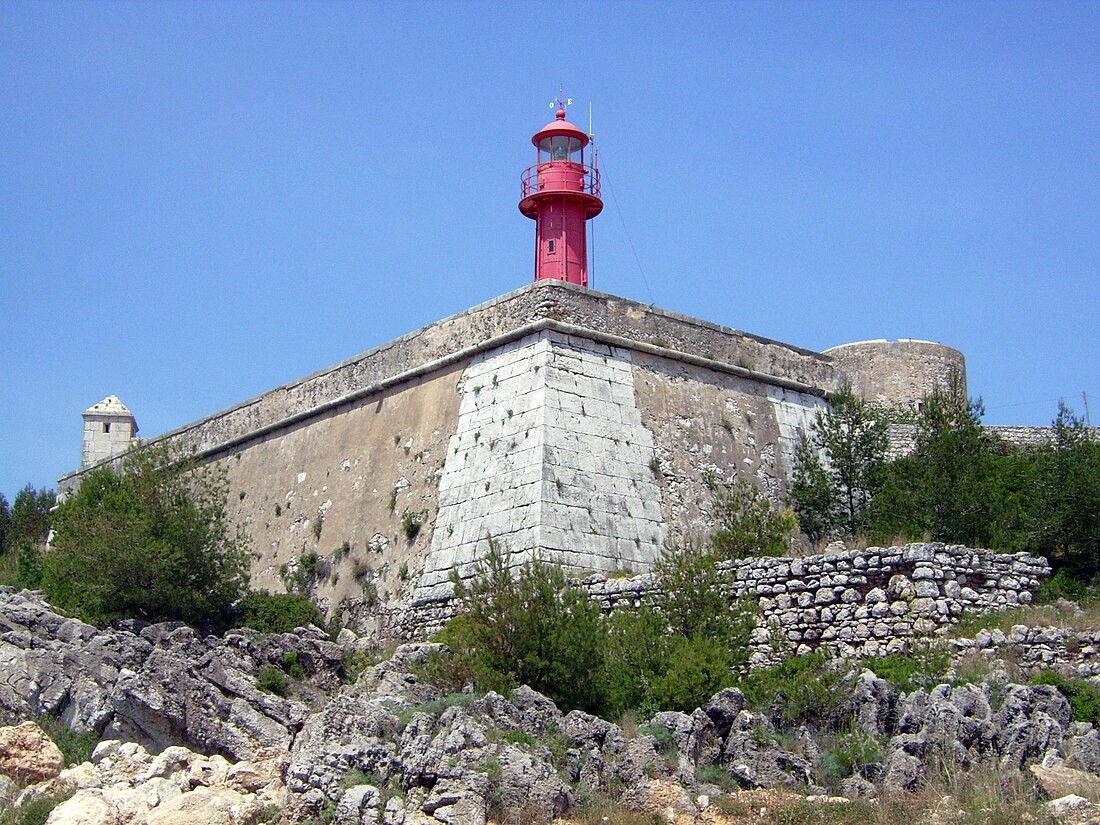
[[560, 192]]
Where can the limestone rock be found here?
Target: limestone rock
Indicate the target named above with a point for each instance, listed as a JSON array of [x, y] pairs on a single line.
[[28, 755], [159, 685], [1059, 780], [87, 807], [1074, 810], [753, 757], [350, 733], [360, 805], [207, 806]]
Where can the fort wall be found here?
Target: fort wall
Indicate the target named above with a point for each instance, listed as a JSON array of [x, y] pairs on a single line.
[[556, 421]]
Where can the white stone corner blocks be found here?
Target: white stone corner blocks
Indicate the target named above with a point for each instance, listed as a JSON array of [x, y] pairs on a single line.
[[550, 458]]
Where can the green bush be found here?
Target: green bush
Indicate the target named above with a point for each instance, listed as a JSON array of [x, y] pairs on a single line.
[[273, 680], [746, 524], [411, 522], [848, 751], [922, 668], [1083, 696], [29, 565], [812, 690], [301, 581], [529, 628], [276, 612], [681, 650], [1062, 585], [152, 542], [291, 666], [695, 669]]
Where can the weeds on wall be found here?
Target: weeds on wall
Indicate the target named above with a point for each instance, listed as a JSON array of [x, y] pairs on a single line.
[[411, 523], [300, 577]]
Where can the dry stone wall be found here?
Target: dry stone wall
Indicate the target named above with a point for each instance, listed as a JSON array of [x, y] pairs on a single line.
[[859, 602], [1031, 649]]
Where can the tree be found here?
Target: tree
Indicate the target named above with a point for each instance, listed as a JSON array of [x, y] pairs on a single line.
[[811, 494], [5, 523], [959, 485], [30, 515], [151, 542], [746, 524], [953, 454], [528, 627], [1067, 515], [24, 529], [833, 495]]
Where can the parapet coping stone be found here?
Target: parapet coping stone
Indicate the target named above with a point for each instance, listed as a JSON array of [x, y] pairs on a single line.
[[515, 327]]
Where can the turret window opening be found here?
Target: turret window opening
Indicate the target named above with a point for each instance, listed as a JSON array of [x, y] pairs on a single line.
[[550, 247], [106, 426]]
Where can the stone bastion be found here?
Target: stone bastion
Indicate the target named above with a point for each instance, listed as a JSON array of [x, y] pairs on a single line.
[[553, 420]]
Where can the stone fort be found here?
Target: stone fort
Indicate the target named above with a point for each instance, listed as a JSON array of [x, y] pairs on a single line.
[[555, 421]]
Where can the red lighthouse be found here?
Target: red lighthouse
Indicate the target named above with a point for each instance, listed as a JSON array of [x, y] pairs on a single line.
[[560, 193]]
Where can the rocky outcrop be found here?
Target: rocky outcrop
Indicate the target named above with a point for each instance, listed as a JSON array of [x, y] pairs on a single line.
[[392, 749], [123, 784], [158, 685]]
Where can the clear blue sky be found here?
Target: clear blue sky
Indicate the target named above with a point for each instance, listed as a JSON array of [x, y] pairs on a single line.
[[201, 201]]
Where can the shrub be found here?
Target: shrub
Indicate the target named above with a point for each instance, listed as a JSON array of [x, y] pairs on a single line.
[[812, 690], [304, 574], [273, 680], [923, 667], [529, 628], [847, 752], [695, 669], [152, 542], [679, 651], [746, 523], [1062, 585], [291, 666], [276, 612], [1083, 696]]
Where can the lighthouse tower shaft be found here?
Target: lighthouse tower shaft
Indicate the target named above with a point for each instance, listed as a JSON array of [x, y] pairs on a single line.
[[560, 193]]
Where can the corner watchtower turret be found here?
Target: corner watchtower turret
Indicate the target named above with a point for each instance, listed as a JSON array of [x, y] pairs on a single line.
[[110, 429]]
